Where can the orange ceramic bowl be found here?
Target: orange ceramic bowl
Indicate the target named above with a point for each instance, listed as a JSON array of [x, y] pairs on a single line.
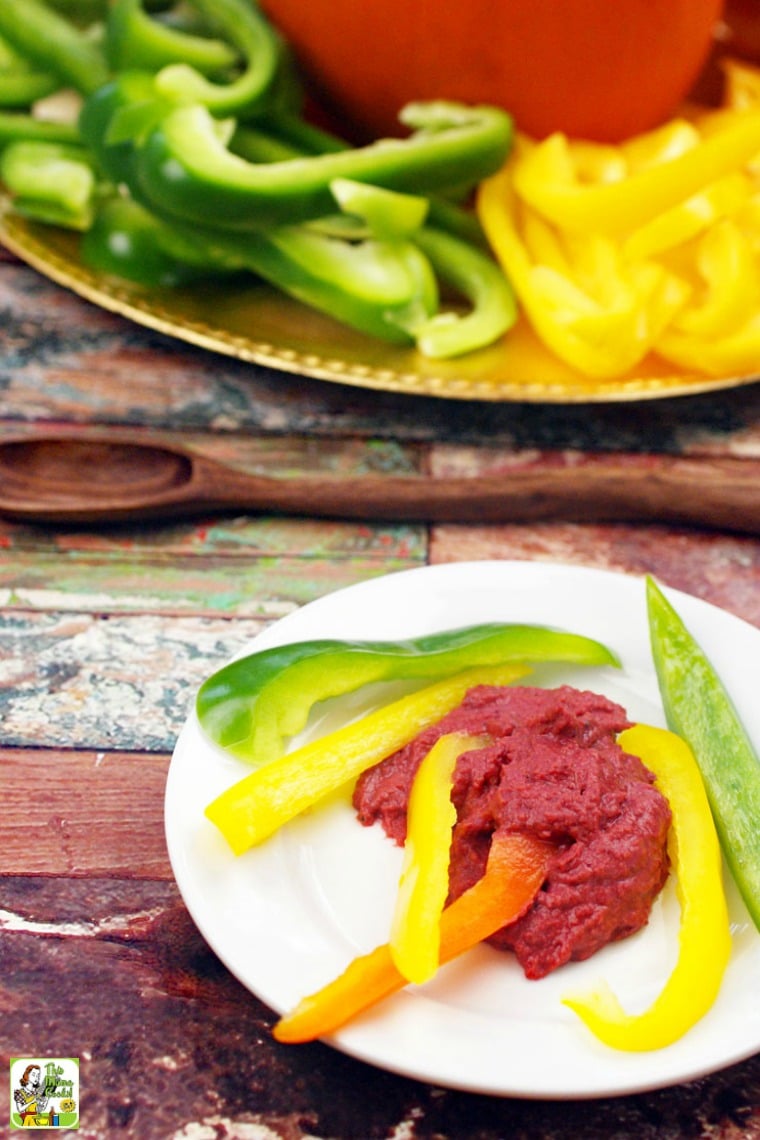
[[599, 69]]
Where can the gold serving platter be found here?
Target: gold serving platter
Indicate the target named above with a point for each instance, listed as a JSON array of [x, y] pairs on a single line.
[[255, 323]]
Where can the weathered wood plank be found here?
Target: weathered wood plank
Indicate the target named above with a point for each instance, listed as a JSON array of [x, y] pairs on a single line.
[[185, 562], [171, 1046], [99, 682], [265, 584], [722, 569], [64, 359], [56, 805], [239, 539]]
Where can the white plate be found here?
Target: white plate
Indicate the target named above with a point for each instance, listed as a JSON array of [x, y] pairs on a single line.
[[288, 916]]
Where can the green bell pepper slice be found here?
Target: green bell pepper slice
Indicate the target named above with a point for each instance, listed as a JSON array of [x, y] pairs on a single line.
[[699, 709], [240, 24], [136, 39], [22, 82], [471, 272], [22, 87], [380, 288], [81, 11], [50, 182], [185, 169], [475, 275], [252, 705], [283, 135], [114, 119], [41, 34], [17, 126], [127, 241]]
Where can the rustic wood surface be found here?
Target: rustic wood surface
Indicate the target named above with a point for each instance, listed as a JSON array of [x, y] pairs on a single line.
[[105, 635]]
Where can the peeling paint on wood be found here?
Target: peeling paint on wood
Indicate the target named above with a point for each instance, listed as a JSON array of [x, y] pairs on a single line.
[[98, 682], [248, 585]]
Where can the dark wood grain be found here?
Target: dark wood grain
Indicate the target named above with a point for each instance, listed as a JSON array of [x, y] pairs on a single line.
[[172, 1046]]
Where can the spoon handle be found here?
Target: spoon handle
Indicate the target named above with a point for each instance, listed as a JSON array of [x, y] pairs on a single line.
[[704, 491]]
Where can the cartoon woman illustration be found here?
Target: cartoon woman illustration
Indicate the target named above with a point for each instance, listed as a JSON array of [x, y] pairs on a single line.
[[30, 1096]]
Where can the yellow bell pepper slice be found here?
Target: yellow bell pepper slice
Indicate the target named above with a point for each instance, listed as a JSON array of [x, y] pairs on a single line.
[[594, 311], [598, 162], [516, 868], [720, 334], [424, 884], [662, 144], [704, 937], [727, 263], [742, 84], [259, 804], [545, 178], [690, 218], [735, 354]]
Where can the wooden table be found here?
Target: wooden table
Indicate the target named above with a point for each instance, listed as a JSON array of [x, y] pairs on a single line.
[[104, 638]]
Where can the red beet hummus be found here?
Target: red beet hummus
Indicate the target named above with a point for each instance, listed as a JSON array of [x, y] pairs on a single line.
[[553, 770]]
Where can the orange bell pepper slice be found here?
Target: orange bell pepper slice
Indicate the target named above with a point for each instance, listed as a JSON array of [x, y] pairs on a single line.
[[516, 868]]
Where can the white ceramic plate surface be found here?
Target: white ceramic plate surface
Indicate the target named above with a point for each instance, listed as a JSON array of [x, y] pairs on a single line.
[[288, 916]]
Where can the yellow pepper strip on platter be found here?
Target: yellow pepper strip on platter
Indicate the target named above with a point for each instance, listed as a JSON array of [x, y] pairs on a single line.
[[544, 177], [704, 935], [690, 218], [742, 84], [424, 883], [516, 868], [650, 247], [600, 322], [258, 805], [726, 261], [720, 335]]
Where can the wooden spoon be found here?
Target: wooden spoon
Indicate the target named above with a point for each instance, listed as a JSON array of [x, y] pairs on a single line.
[[93, 480]]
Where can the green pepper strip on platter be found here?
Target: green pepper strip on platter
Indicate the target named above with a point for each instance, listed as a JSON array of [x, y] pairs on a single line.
[[238, 23], [135, 39], [185, 169], [365, 235], [15, 126], [50, 181], [39, 33], [22, 82]]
